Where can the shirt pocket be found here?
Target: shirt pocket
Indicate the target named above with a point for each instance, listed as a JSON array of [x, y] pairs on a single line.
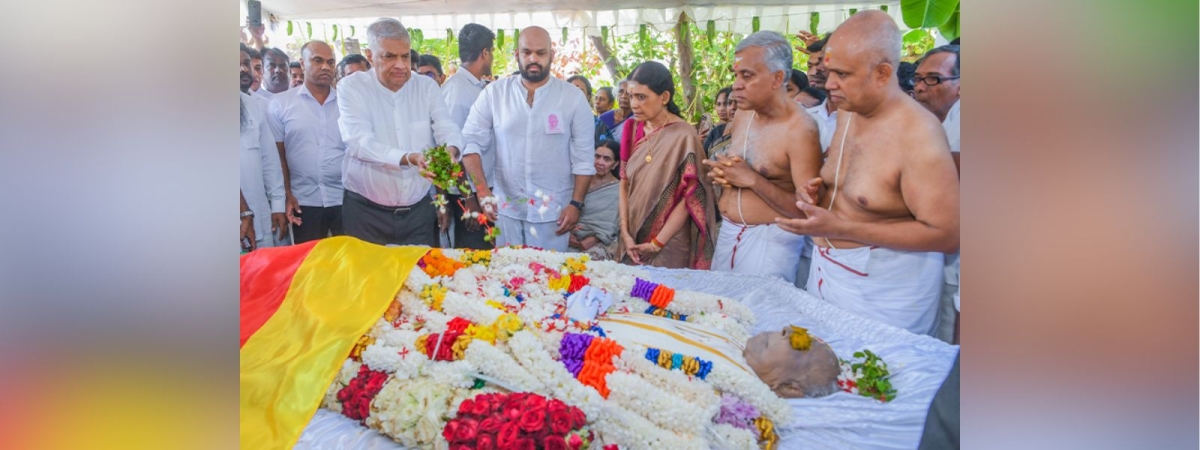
[[420, 136], [251, 138]]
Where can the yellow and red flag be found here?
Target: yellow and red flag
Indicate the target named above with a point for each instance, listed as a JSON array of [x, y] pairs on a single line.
[[303, 308]]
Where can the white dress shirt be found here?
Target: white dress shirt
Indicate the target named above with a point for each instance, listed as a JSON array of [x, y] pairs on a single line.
[[460, 92], [538, 148], [826, 123], [951, 126], [381, 127], [313, 144], [261, 175], [262, 92]]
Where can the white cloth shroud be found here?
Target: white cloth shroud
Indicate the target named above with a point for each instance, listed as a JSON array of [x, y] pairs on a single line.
[[761, 250], [895, 287]]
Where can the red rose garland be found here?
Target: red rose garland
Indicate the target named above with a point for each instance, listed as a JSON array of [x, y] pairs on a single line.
[[516, 422], [356, 397]]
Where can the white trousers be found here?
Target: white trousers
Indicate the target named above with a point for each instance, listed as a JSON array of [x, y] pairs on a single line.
[[541, 235]]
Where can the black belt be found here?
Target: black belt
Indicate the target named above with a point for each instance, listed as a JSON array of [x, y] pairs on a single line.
[[391, 209]]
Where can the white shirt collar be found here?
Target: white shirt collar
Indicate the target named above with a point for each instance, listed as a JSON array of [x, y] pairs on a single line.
[[470, 77], [303, 90]]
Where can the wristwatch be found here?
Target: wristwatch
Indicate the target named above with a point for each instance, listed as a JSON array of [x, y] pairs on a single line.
[[246, 214], [578, 205]]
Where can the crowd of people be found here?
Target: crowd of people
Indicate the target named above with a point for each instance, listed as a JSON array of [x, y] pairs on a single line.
[[841, 179]]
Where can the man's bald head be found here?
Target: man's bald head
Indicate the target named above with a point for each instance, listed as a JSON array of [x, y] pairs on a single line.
[[534, 54], [860, 62], [873, 33]]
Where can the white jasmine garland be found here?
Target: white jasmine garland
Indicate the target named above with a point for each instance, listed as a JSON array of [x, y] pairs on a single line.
[[751, 389], [493, 362], [555, 377], [411, 412], [474, 310], [700, 395], [633, 432], [729, 326], [726, 436], [659, 407]]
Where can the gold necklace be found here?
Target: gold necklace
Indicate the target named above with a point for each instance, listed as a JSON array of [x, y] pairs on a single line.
[[649, 157]]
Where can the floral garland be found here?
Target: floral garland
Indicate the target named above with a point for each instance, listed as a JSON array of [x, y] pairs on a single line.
[[518, 420], [357, 395], [868, 377], [469, 322]]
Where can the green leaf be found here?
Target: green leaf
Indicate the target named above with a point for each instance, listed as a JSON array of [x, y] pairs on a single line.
[[915, 37], [352, 32], [853, 10], [813, 20], [643, 35], [309, 25], [927, 13], [710, 31], [564, 36], [883, 8], [754, 23], [950, 29], [500, 39], [449, 35], [516, 38], [335, 33], [289, 28], [604, 35]]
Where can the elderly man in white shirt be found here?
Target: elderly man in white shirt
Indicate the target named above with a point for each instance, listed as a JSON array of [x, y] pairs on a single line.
[[261, 180], [304, 121], [936, 87], [475, 46], [388, 119], [543, 131]]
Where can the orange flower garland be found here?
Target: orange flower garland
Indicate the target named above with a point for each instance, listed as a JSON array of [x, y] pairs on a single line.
[[436, 264]]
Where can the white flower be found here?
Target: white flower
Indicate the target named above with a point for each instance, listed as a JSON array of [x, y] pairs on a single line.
[[727, 436], [538, 193], [532, 230]]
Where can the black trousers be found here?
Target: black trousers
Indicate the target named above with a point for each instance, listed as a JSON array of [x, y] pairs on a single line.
[[318, 222], [383, 225], [464, 238]]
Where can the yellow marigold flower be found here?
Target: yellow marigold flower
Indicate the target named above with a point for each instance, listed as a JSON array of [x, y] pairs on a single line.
[[508, 324], [559, 283], [433, 295], [361, 345], [800, 339], [576, 265], [460, 346], [482, 333], [495, 304]]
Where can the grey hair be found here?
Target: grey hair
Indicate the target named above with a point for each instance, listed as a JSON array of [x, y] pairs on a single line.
[[943, 49], [778, 49], [385, 28]]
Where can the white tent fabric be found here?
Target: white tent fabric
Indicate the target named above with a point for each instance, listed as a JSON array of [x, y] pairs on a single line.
[[918, 365], [621, 16]]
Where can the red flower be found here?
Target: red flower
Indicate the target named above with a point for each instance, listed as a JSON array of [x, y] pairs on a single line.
[[509, 432], [460, 447], [481, 407], [611, 447], [574, 442], [578, 418], [364, 409], [467, 430], [466, 407], [512, 412], [556, 406], [523, 444], [450, 430], [560, 422], [485, 442], [533, 421], [554, 443], [490, 425]]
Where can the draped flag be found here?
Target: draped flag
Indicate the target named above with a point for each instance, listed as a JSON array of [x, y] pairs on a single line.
[[303, 308]]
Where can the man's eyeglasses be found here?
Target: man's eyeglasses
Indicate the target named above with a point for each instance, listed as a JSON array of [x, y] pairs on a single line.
[[931, 80]]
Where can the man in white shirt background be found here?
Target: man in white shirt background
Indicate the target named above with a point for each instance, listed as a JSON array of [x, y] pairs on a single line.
[[277, 77], [826, 112], [543, 131], [388, 119], [256, 69], [261, 180], [304, 122], [937, 89], [475, 46]]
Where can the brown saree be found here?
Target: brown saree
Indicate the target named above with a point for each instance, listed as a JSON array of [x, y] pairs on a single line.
[[672, 176]]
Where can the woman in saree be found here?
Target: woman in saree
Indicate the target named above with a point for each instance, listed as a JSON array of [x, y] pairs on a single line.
[[598, 229], [667, 212]]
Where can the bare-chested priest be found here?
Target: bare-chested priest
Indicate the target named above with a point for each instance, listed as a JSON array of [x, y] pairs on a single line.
[[888, 192], [773, 148]]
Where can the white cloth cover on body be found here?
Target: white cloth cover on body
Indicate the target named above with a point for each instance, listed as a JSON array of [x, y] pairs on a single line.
[[918, 364], [761, 250], [894, 287]]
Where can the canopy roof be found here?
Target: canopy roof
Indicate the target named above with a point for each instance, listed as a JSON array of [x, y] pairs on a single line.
[[621, 16]]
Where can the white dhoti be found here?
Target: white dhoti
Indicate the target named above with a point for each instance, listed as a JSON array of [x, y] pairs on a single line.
[[758, 249], [532, 234], [894, 287]]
